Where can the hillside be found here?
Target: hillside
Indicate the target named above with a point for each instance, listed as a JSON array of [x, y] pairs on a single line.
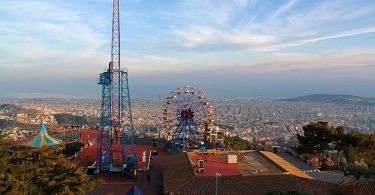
[[9, 107], [75, 120], [337, 99], [12, 110]]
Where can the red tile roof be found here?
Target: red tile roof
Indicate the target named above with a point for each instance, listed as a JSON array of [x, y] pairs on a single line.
[[177, 171], [210, 165], [180, 179]]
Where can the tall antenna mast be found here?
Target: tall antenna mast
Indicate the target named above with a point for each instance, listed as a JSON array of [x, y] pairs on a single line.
[[116, 122], [115, 69]]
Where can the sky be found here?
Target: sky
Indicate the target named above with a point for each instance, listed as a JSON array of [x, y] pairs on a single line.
[[227, 48]]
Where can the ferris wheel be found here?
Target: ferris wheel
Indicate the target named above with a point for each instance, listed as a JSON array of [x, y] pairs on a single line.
[[186, 116]]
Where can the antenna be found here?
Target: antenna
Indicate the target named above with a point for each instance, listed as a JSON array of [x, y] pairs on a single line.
[[116, 121], [217, 170]]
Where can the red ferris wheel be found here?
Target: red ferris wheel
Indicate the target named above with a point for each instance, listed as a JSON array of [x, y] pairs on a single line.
[[187, 115]]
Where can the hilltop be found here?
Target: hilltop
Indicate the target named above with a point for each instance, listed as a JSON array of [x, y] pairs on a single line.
[[336, 99]]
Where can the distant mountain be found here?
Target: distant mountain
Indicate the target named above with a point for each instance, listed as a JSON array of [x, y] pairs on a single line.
[[336, 99]]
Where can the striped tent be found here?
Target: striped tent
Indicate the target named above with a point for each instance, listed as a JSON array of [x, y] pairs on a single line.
[[42, 138]]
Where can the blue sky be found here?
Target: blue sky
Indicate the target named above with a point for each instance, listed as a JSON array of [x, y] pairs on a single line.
[[230, 49]]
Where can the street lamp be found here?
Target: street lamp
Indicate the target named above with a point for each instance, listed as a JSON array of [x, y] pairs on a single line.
[[338, 142]]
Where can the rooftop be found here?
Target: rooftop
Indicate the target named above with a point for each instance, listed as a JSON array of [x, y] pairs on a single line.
[[179, 177], [248, 163]]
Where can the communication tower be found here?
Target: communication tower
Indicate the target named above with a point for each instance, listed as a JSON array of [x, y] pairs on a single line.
[[116, 149]]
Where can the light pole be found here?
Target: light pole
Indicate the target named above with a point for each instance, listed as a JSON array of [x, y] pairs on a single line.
[[338, 142]]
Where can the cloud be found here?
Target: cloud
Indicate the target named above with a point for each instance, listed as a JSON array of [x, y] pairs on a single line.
[[340, 35], [150, 64], [66, 39], [54, 40], [283, 9], [200, 36], [335, 61], [339, 62], [195, 36], [317, 39], [267, 27]]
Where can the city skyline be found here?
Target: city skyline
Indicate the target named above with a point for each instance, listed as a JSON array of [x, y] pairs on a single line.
[[230, 49]]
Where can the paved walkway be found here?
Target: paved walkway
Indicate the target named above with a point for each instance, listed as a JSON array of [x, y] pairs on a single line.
[[156, 182], [117, 183]]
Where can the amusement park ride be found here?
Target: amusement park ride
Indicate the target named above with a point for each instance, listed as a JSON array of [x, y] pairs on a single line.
[[116, 149], [188, 119]]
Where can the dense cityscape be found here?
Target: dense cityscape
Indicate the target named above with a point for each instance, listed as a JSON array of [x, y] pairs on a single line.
[[268, 97], [271, 122]]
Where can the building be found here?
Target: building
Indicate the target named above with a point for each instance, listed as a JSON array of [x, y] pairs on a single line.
[[181, 177]]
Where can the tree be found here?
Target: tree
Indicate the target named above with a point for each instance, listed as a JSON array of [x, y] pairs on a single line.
[[238, 143], [359, 147], [315, 138], [72, 148], [6, 179], [339, 136], [53, 174], [359, 170], [25, 170], [76, 120]]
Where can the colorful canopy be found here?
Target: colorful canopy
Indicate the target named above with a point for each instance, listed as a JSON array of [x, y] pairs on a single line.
[[42, 139]]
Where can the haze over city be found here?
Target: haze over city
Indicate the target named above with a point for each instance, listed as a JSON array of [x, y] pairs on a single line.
[[187, 97], [230, 49]]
